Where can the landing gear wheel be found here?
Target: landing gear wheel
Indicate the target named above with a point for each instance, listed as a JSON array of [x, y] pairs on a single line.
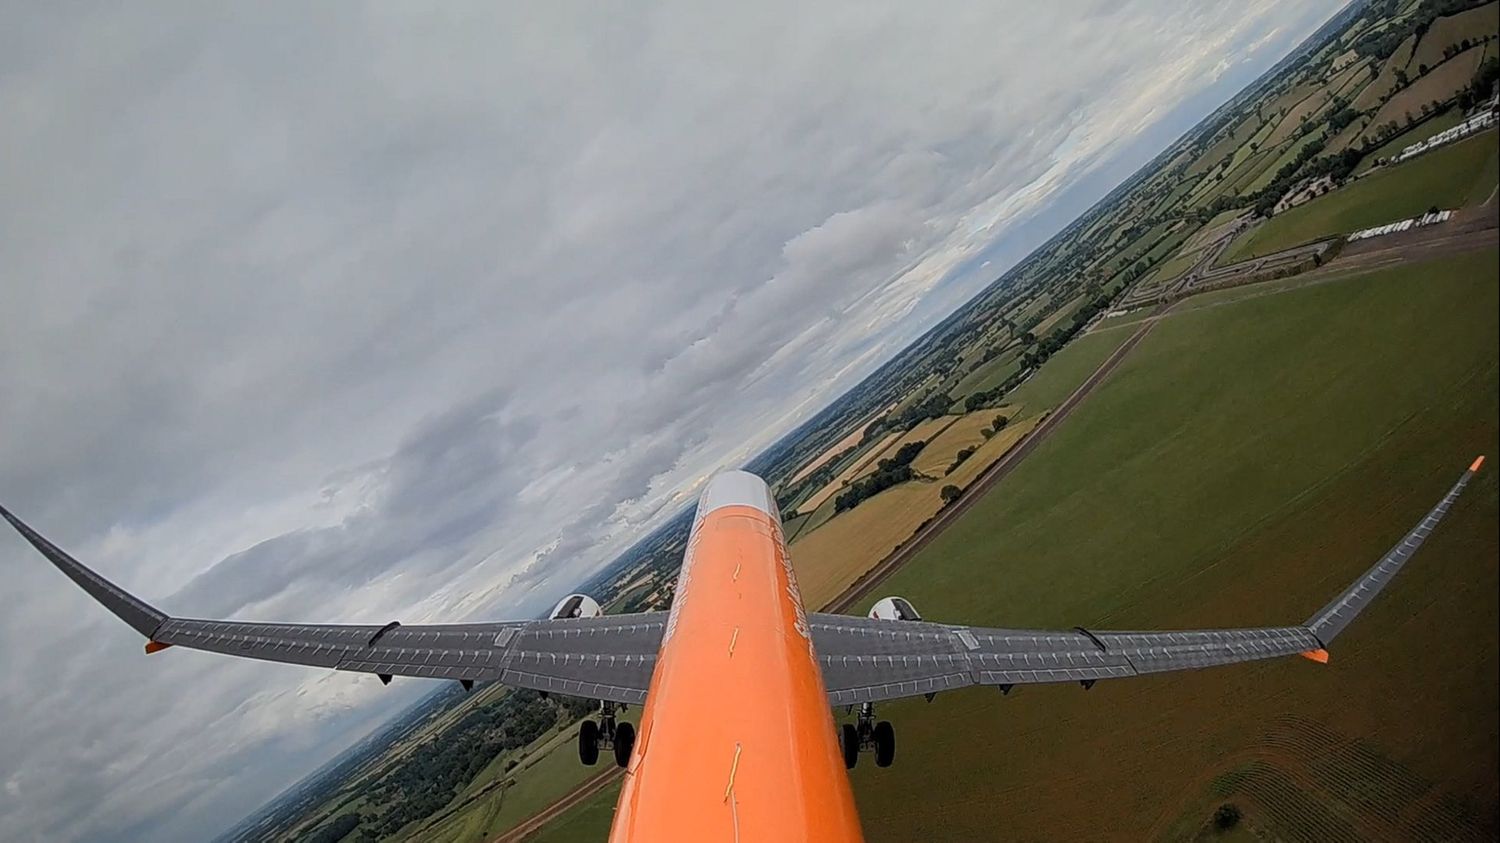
[[849, 743], [624, 743], [885, 744], [588, 742]]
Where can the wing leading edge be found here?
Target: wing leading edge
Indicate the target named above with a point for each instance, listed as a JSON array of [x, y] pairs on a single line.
[[610, 658], [866, 660]]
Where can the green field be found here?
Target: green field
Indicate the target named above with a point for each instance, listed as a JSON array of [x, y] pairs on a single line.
[[1447, 120], [1445, 178], [986, 376], [1065, 371], [1252, 502]]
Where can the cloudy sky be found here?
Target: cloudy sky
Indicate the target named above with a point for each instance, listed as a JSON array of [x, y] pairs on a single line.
[[360, 312]]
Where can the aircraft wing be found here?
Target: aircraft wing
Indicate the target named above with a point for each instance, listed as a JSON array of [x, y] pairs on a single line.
[[610, 657], [868, 659]]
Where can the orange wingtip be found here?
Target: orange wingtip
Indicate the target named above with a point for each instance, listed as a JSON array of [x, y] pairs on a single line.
[[155, 647], [1319, 656], [1478, 461]]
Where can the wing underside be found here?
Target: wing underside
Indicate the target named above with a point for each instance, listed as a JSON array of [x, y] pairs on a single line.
[[862, 659], [866, 659], [609, 658]]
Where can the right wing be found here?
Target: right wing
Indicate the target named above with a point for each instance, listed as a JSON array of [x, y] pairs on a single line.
[[869, 659], [608, 658]]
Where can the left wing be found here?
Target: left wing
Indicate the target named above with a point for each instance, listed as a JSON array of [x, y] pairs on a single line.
[[868, 659], [609, 658]]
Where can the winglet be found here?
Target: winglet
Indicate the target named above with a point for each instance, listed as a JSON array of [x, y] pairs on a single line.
[[155, 647], [1328, 623], [142, 616], [1319, 656]]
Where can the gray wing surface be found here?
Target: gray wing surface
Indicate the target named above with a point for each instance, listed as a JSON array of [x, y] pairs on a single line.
[[866, 660], [609, 657]]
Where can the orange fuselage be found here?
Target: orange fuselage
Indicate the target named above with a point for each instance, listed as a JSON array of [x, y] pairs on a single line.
[[737, 741]]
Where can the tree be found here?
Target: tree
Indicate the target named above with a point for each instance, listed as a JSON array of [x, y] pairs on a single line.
[[950, 493], [1227, 816]]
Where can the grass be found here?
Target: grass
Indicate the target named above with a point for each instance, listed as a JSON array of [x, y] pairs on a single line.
[[1343, 423], [986, 376], [1286, 157], [1251, 502], [1172, 268], [1445, 178], [1439, 85], [1385, 82], [1447, 120], [1065, 371], [587, 823], [1473, 24]]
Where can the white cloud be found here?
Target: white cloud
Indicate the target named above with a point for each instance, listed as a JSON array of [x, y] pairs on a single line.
[[367, 312]]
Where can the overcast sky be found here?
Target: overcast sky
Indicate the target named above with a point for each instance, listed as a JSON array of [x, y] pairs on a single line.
[[368, 312]]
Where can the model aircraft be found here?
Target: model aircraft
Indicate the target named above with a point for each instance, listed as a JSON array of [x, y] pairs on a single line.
[[705, 766]]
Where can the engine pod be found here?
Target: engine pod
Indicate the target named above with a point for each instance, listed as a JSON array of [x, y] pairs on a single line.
[[576, 606]]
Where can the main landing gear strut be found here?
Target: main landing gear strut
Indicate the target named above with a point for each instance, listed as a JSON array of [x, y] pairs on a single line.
[[866, 735], [605, 734]]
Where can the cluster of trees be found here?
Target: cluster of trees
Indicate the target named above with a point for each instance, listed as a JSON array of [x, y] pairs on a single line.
[[1338, 166], [1382, 43], [959, 459], [439, 768], [888, 472], [335, 829], [933, 406], [1480, 86]]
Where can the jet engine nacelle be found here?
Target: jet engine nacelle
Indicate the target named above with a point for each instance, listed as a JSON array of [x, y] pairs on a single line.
[[576, 606], [894, 609]]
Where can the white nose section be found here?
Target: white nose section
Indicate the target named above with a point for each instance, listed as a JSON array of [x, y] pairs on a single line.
[[736, 488]]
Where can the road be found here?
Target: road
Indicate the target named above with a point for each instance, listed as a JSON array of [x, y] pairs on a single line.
[[569, 801], [992, 475]]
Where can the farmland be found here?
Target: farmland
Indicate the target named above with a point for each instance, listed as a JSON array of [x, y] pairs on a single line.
[[1444, 177], [1147, 511], [1341, 425], [1243, 462]]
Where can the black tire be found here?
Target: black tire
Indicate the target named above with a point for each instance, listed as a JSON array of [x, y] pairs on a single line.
[[588, 743], [624, 743], [849, 743], [885, 744]]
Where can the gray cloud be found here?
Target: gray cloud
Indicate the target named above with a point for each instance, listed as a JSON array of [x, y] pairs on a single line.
[[369, 312]]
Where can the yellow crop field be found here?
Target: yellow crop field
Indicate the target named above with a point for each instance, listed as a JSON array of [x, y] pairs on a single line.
[[997, 447], [831, 557], [967, 432], [833, 450], [852, 471]]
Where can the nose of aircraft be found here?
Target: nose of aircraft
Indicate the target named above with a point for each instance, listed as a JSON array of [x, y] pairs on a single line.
[[736, 488]]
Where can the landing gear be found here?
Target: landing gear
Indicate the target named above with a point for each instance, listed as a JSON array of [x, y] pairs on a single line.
[[849, 743], [624, 743], [866, 735], [588, 743], [605, 734]]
